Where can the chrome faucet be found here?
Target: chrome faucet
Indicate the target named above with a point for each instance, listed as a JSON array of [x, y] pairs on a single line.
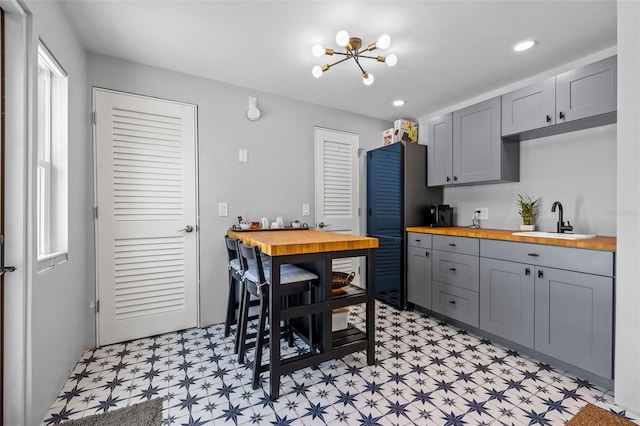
[[560, 226]]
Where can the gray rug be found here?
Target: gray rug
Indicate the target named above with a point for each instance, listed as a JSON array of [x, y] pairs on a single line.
[[148, 413]]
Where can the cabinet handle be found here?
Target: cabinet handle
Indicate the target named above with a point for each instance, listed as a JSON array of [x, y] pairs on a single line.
[[455, 178], [417, 241], [561, 115], [448, 178], [527, 271], [533, 254], [540, 274], [548, 119], [452, 269], [426, 254], [453, 302], [452, 245]]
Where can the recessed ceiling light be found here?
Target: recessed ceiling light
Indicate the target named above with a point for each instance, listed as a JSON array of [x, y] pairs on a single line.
[[398, 102], [524, 45]]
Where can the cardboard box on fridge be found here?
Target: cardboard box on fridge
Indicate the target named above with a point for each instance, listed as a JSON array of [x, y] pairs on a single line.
[[387, 137], [405, 130]]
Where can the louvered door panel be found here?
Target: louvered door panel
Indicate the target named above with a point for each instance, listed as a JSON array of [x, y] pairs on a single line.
[[337, 188], [338, 171], [147, 266]]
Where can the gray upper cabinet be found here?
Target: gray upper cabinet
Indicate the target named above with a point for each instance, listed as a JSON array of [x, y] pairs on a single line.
[[577, 99], [587, 91], [440, 150], [468, 148], [529, 108]]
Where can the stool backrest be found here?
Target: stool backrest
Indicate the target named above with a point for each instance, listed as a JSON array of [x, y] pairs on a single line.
[[250, 258], [232, 247]]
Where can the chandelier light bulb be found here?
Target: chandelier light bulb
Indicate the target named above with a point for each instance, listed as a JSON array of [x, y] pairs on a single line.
[[383, 42], [391, 60], [317, 71], [367, 79], [342, 38], [317, 50]]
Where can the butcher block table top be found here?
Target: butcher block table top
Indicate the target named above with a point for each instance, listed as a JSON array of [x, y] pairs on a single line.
[[597, 243], [295, 241]]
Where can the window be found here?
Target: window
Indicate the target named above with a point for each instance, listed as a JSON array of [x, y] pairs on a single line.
[[52, 210]]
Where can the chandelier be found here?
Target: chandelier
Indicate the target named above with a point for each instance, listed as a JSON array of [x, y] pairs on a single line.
[[353, 50]]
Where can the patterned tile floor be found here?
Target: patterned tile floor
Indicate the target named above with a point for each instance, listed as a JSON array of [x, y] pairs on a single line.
[[427, 373]]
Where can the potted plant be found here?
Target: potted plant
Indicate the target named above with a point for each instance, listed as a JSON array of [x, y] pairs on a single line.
[[528, 209]]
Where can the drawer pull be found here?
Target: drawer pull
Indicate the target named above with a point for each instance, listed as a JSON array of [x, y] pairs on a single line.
[[533, 254], [417, 241], [452, 245], [453, 302], [452, 269]]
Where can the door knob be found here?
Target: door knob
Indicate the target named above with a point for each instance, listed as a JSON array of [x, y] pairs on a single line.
[[186, 229], [323, 225]]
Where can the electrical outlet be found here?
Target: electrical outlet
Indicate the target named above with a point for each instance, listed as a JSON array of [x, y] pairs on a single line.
[[484, 213], [223, 209], [305, 210]]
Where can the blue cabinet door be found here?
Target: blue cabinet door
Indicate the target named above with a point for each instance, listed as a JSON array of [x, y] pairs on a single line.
[[384, 191]]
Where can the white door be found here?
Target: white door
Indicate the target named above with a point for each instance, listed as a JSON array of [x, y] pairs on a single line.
[[146, 197], [337, 188]]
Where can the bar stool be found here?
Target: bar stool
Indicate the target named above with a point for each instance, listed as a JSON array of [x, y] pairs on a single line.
[[235, 287], [293, 279]]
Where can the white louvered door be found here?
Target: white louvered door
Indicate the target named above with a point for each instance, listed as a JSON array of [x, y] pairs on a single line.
[[147, 257], [337, 188]]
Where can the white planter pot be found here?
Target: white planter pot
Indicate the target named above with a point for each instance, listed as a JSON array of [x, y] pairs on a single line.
[[527, 227]]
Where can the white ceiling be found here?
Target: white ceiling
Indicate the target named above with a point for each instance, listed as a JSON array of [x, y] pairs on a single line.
[[448, 51]]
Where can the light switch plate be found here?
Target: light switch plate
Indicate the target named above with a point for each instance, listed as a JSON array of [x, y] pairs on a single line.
[[223, 209], [305, 210], [484, 213], [243, 156]]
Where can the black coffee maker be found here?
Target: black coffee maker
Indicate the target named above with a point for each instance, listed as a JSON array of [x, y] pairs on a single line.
[[440, 215]]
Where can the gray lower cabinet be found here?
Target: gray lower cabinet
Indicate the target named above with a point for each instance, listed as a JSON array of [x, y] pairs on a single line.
[[456, 278], [556, 300], [574, 318], [419, 276], [507, 300]]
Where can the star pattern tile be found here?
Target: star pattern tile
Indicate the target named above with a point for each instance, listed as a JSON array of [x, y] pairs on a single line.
[[426, 373]]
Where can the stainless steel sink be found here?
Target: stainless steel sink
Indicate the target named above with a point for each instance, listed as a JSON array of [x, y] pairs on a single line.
[[564, 236]]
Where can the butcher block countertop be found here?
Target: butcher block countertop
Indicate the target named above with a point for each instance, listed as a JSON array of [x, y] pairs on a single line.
[[597, 243], [295, 241]]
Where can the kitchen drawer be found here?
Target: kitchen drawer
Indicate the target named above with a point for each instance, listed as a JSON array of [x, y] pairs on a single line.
[[461, 270], [416, 239], [461, 245], [573, 259], [455, 302]]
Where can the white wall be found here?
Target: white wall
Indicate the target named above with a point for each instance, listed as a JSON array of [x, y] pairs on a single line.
[[278, 177], [54, 316], [578, 169], [627, 354]]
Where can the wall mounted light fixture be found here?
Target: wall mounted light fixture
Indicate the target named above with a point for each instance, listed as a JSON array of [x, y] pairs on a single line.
[[253, 113], [353, 50]]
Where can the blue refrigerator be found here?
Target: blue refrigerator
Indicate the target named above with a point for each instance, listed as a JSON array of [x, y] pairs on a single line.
[[397, 197]]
